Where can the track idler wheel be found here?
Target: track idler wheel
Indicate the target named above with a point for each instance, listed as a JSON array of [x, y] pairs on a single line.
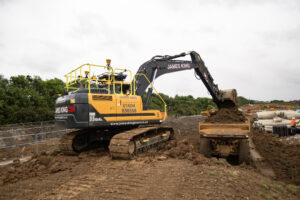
[[80, 143], [131, 149]]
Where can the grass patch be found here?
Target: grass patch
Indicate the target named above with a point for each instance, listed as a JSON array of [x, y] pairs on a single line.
[[292, 188], [279, 188], [265, 185], [223, 161], [213, 173], [235, 176], [56, 149], [263, 195], [277, 195]]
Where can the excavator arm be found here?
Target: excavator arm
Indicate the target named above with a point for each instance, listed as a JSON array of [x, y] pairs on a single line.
[[160, 65]]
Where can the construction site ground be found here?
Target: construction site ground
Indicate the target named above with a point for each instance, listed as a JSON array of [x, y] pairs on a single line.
[[173, 171]]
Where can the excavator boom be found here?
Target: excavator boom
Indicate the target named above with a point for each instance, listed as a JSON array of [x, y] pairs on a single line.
[[160, 65]]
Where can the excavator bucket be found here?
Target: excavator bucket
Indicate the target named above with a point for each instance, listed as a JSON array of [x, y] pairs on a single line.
[[229, 98]]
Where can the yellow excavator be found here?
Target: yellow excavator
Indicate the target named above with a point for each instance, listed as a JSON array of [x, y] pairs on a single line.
[[105, 107], [209, 111]]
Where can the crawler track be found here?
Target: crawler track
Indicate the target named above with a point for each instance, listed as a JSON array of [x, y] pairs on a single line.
[[128, 144], [123, 144], [66, 142]]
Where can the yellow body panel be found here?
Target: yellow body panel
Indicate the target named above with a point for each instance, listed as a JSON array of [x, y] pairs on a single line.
[[121, 107], [103, 103]]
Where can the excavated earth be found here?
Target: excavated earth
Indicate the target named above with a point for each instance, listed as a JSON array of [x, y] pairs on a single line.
[[227, 115], [282, 156], [172, 171]]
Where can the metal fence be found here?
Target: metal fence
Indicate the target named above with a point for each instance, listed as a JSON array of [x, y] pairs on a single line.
[[27, 124], [29, 134]]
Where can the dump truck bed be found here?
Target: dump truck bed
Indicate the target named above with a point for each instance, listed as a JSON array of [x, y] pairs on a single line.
[[216, 130], [225, 140]]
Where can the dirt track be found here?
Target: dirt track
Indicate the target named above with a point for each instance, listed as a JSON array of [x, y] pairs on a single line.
[[96, 176], [174, 172]]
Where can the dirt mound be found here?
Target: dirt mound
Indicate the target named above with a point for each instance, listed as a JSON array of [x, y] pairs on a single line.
[[44, 163], [188, 148], [284, 158], [227, 115]]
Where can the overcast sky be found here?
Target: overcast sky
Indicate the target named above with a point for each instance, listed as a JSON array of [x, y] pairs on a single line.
[[253, 46]]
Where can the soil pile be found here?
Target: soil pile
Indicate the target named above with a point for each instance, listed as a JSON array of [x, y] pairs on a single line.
[[284, 158], [188, 148], [227, 115], [181, 147], [43, 163]]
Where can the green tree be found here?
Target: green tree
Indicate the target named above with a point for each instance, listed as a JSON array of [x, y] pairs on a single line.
[[27, 99], [180, 105]]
